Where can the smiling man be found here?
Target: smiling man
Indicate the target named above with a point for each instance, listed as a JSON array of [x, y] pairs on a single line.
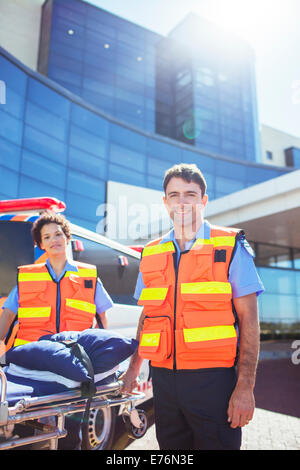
[[199, 326]]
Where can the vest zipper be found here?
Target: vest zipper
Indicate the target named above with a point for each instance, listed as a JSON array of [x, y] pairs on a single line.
[[58, 296], [176, 266]]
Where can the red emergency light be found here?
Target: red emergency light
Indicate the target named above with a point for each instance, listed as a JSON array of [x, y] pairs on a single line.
[[33, 203], [138, 248]]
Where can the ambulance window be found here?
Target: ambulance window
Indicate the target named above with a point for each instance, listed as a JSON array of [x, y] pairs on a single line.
[[119, 281], [16, 248]]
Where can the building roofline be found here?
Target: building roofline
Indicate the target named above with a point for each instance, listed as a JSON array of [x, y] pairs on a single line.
[[79, 101]]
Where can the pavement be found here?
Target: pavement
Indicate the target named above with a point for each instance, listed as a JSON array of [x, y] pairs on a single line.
[[276, 421]]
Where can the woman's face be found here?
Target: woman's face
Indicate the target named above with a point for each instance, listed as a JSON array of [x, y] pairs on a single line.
[[53, 239]]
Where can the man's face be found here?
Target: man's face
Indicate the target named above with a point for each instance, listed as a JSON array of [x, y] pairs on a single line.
[[185, 203]]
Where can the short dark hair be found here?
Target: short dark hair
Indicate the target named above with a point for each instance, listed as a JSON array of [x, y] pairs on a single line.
[[46, 218], [189, 172]]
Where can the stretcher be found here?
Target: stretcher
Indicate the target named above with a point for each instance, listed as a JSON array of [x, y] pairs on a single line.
[[45, 414]]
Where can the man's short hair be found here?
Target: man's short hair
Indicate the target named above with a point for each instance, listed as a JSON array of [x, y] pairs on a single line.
[[46, 218], [188, 172]]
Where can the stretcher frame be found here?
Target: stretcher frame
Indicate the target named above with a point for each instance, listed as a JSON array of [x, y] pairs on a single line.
[[29, 410]]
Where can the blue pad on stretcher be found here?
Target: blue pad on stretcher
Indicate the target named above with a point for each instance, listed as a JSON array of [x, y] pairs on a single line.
[[48, 366]]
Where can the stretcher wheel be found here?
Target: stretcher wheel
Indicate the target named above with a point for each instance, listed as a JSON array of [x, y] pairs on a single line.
[[98, 432], [133, 431]]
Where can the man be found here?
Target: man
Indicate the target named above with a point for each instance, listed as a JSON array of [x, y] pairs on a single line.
[[58, 295], [198, 285]]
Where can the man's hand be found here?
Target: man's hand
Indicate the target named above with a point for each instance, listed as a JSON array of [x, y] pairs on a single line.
[[241, 407], [129, 379]]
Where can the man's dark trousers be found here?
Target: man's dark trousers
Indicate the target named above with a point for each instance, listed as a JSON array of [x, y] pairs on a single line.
[[191, 409]]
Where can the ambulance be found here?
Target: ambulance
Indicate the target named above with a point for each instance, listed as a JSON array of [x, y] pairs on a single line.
[[117, 266]]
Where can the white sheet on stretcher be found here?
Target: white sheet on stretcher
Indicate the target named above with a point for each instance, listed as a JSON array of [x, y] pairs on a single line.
[[46, 376]]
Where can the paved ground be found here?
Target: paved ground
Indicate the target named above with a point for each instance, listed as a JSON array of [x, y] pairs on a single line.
[[276, 422]]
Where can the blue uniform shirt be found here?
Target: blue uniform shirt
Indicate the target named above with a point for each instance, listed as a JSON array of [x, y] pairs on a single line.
[[243, 276], [102, 299]]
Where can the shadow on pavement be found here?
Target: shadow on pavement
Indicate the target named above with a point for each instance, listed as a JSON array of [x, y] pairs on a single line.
[[278, 386]]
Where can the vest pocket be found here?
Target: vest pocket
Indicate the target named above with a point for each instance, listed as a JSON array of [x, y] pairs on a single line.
[[156, 339]]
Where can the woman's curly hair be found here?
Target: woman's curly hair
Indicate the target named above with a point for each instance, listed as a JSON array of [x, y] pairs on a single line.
[[46, 218]]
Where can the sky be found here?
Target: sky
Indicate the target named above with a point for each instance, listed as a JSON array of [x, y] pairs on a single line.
[[272, 27]]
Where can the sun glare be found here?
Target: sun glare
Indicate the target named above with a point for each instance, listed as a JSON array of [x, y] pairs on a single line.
[[251, 19]]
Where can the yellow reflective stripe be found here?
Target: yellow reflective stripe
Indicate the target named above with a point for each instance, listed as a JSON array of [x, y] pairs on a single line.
[[223, 241], [150, 339], [82, 273], [20, 342], [209, 333], [157, 249], [81, 305], [216, 241], [24, 277], [212, 287], [154, 293], [34, 312]]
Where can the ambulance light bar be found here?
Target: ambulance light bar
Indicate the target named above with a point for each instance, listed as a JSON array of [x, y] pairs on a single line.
[[33, 203]]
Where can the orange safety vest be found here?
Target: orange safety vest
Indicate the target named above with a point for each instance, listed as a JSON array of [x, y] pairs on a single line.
[[190, 322], [38, 312]]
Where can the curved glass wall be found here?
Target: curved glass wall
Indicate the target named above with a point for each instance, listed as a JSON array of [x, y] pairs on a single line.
[[53, 143]]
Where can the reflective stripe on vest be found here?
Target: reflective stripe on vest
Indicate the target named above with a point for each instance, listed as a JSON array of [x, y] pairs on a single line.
[[34, 312], [154, 294], [211, 287], [20, 342], [216, 241], [81, 305], [31, 277], [209, 333], [158, 249]]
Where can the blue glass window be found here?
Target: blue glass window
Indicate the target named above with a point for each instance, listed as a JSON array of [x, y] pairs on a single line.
[[162, 150], [127, 138], [9, 155], [11, 128], [126, 157], [43, 96], [33, 165], [46, 121], [80, 183], [124, 175], [9, 182], [86, 163], [31, 187], [88, 142], [14, 77], [90, 121], [14, 103], [80, 205], [45, 145]]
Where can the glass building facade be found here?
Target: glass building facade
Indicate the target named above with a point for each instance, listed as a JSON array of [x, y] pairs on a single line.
[[51, 142], [197, 85]]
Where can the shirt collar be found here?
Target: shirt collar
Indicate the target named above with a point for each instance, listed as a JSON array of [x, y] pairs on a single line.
[[203, 232], [69, 266]]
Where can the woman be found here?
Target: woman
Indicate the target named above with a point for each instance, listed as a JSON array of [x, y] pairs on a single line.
[[58, 295]]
